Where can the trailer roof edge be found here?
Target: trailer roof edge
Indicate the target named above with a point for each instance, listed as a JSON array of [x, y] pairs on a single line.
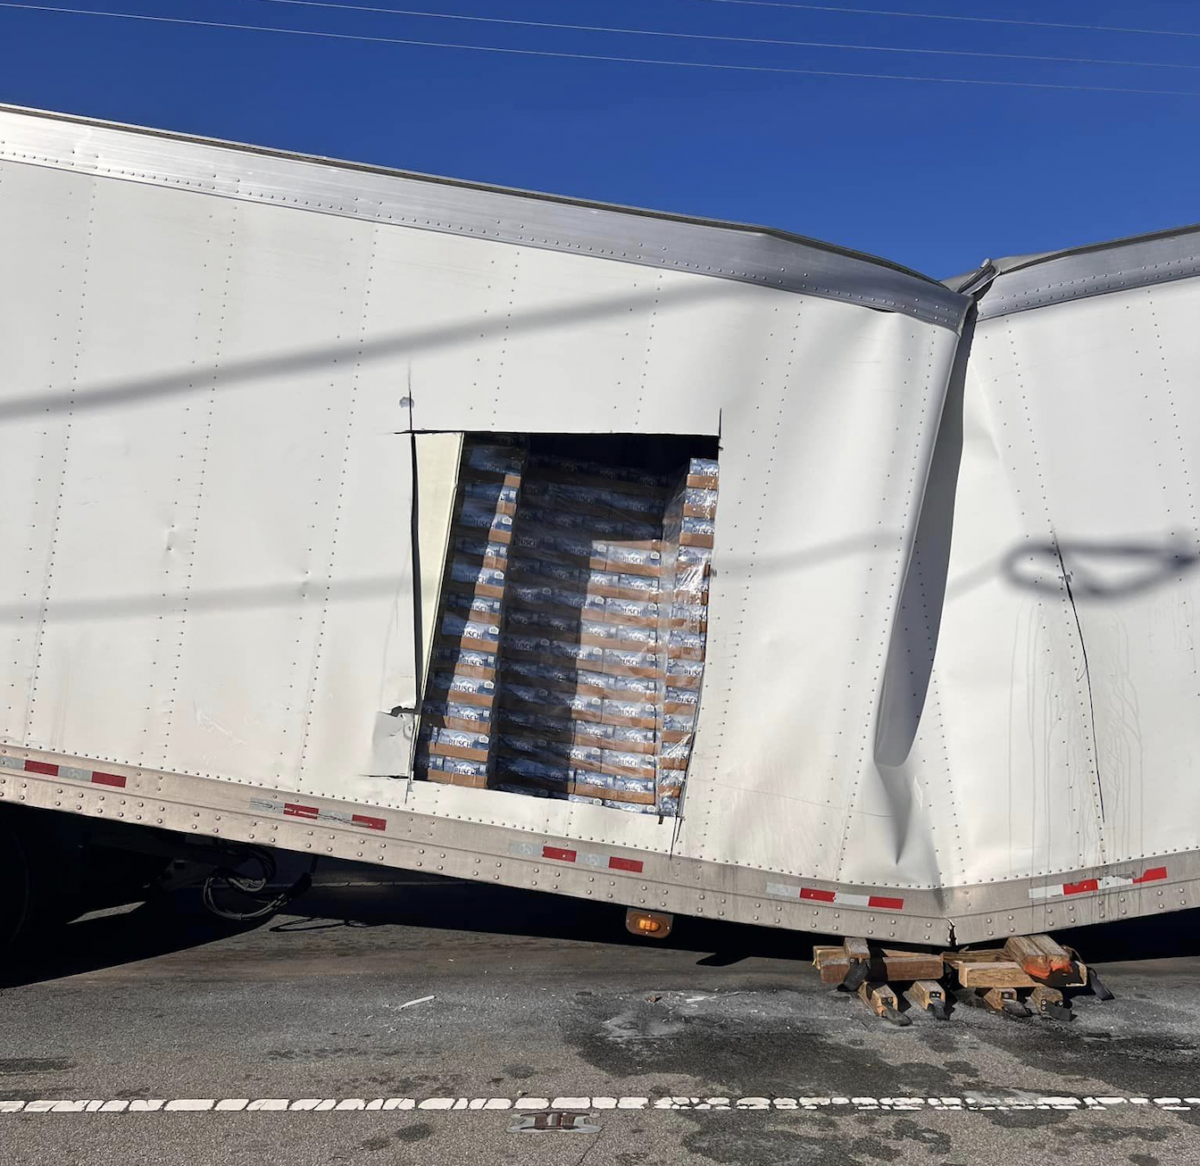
[[762, 256], [1025, 282]]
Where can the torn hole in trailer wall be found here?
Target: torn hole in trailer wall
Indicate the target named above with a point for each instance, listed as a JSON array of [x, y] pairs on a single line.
[[568, 652]]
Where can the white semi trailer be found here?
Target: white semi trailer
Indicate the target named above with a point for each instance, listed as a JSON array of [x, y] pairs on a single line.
[[942, 664]]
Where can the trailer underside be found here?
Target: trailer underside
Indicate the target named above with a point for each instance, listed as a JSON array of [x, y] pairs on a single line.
[[391, 836]]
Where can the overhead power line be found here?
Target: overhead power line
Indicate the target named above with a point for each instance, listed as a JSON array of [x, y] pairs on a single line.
[[564, 56], [956, 16], [740, 40]]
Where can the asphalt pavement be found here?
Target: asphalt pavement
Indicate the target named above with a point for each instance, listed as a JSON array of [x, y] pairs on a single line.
[[390, 1019]]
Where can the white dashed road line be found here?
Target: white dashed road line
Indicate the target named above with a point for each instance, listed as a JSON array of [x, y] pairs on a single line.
[[975, 1104]]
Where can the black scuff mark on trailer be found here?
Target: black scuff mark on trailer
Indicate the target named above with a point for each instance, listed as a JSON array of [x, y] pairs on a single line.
[[1087, 673], [415, 530], [418, 614]]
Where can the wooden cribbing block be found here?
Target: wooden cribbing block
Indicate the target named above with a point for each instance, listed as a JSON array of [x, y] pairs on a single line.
[[995, 997], [881, 1000], [1004, 1000], [887, 964], [983, 956], [883, 963], [992, 974], [911, 965], [927, 992], [930, 996], [877, 997], [1039, 956], [824, 953], [858, 960], [1049, 1002]]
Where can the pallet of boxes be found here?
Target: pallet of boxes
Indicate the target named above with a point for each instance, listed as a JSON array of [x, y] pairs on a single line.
[[574, 618], [455, 742]]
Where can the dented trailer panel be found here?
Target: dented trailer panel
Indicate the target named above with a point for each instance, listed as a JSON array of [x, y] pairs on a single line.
[[209, 587]]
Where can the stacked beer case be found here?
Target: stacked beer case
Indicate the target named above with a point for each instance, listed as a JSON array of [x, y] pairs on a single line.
[[572, 629], [688, 529], [456, 737], [579, 650]]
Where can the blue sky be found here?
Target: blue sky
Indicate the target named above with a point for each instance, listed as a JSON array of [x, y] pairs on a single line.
[[936, 176]]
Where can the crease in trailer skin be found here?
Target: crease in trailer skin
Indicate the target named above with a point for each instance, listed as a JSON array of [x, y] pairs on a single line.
[[908, 677], [872, 553]]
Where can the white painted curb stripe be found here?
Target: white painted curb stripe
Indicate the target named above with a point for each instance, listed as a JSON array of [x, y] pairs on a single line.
[[695, 1104]]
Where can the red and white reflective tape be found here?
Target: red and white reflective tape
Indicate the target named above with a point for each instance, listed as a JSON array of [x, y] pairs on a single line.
[[562, 854], [69, 772], [1106, 883], [316, 814], [836, 898]]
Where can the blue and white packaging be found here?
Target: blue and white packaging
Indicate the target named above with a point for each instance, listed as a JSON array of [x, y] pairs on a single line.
[[529, 672], [631, 609], [635, 761], [629, 784], [458, 738], [530, 767], [529, 593], [456, 625], [600, 581], [475, 685], [620, 555], [686, 640], [618, 658], [462, 766], [584, 653], [523, 643], [490, 494], [456, 657], [628, 710], [645, 586], [459, 712], [701, 499], [495, 459], [482, 608], [623, 737], [685, 669], [599, 630], [636, 634], [631, 688], [581, 703], [478, 545], [462, 572]]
